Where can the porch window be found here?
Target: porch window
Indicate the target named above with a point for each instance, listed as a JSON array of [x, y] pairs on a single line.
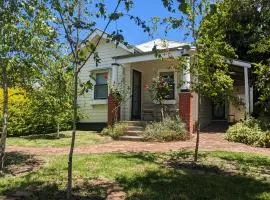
[[169, 78], [101, 87]]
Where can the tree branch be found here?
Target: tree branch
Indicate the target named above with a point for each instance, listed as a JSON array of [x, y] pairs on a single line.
[[91, 53]]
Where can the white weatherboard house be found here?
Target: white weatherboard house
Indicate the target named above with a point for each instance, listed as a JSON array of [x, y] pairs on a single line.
[[135, 66]]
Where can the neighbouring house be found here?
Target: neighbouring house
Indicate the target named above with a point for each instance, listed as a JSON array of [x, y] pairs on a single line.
[[134, 67]]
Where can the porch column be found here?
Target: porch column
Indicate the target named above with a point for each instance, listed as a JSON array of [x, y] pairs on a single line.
[[114, 74], [186, 77], [113, 110], [251, 99], [185, 110], [246, 90], [185, 99]]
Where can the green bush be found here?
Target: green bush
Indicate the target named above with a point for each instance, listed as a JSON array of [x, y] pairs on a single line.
[[170, 129], [116, 130], [250, 131], [26, 118]]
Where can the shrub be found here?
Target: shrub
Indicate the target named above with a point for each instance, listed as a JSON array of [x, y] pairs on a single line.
[[250, 131], [170, 129], [116, 130], [26, 118]]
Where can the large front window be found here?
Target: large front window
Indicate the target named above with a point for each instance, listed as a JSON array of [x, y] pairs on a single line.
[[169, 78], [101, 87]]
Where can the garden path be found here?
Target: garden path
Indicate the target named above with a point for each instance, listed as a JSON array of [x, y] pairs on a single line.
[[209, 141]]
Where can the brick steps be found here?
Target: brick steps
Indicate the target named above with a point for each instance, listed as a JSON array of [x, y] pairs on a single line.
[[131, 138], [134, 131]]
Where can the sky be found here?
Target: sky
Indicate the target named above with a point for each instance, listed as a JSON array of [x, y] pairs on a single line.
[[145, 9]]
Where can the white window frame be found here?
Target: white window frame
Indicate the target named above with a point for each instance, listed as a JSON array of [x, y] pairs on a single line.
[[171, 101], [99, 101]]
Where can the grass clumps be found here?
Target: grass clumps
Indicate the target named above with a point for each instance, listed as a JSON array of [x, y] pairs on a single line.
[[116, 130], [251, 131], [170, 129]]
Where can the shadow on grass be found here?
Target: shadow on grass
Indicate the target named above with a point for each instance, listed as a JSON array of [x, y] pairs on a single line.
[[17, 163], [179, 178], [186, 184], [174, 178], [32, 190], [139, 157], [46, 136], [252, 160]]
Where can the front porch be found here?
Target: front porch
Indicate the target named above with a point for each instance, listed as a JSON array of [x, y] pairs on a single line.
[[136, 72], [138, 76]]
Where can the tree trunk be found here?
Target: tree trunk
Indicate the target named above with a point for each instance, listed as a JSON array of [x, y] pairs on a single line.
[[58, 130], [74, 127], [162, 112], [198, 129], [4, 120]]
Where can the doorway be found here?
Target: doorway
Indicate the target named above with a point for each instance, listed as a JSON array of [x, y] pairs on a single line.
[[218, 111], [136, 95]]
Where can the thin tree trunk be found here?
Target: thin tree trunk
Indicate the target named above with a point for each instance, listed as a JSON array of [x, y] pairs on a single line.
[[162, 112], [74, 127], [4, 120], [58, 130], [198, 130]]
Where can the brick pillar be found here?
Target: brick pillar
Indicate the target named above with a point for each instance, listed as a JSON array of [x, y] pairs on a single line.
[[112, 104], [185, 110]]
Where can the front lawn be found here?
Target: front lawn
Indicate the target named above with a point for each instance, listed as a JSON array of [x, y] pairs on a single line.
[[218, 175], [51, 140]]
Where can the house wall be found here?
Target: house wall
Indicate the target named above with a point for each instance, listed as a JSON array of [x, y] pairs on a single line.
[[206, 111], [237, 112], [96, 110], [149, 70]]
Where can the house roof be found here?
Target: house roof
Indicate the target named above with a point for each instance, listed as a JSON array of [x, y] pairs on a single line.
[[146, 49], [98, 32], [160, 44]]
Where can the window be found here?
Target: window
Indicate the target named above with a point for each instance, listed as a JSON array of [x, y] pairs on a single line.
[[101, 87], [169, 78]]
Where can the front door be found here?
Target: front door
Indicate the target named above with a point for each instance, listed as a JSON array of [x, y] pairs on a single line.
[[218, 111], [136, 95]]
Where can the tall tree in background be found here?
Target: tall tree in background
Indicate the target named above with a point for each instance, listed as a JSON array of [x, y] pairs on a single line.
[[246, 28], [26, 43], [208, 67], [52, 97]]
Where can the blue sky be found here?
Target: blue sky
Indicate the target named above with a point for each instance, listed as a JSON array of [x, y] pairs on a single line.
[[145, 9]]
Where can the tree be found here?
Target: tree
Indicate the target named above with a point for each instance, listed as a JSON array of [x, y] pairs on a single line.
[[208, 67], [246, 28], [53, 95], [26, 43], [77, 18]]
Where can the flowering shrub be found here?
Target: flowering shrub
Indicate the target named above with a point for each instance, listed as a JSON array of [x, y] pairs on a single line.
[[158, 89]]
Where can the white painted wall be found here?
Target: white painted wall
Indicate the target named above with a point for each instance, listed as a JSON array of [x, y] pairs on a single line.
[[90, 109]]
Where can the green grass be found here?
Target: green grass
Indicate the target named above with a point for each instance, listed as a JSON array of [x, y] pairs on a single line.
[[218, 175], [51, 140]]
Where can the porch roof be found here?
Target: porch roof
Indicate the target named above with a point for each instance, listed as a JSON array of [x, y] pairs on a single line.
[[151, 55], [166, 53]]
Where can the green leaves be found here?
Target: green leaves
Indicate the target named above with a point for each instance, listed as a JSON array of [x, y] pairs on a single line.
[[115, 16]]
